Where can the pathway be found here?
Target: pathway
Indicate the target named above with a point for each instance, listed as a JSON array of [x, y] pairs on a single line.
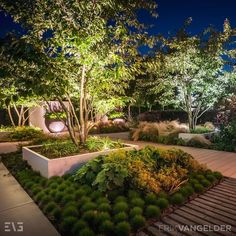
[[212, 213], [19, 215]]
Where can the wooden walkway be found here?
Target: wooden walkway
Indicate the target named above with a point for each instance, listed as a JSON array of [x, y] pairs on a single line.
[[213, 213]]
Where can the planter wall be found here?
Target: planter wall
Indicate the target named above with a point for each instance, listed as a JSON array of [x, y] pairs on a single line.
[[60, 166]]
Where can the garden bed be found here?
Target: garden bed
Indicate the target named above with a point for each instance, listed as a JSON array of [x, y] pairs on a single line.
[[49, 167], [188, 136], [89, 204]]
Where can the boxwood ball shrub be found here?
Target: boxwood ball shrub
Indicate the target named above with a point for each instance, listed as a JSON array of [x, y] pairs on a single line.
[[138, 221], [151, 198], [198, 188], [70, 210], [104, 207], [88, 206], [67, 224], [137, 202], [211, 178], [135, 211], [218, 175], [89, 216], [162, 203], [107, 227], [121, 216], [177, 199], [56, 213], [120, 206], [86, 232], [123, 229], [50, 207], [101, 217], [152, 211], [79, 226], [205, 183]]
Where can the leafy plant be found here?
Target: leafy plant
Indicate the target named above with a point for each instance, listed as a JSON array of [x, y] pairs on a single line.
[[55, 115]]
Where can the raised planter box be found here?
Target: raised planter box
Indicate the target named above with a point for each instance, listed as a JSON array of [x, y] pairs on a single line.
[[60, 166], [5, 134], [188, 136]]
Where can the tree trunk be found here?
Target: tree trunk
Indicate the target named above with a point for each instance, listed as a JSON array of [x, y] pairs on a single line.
[[82, 132], [129, 113], [10, 116]]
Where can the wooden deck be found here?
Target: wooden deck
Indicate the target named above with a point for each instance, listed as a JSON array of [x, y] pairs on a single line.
[[213, 213]]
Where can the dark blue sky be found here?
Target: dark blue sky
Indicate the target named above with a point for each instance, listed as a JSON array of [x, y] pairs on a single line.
[[172, 14]]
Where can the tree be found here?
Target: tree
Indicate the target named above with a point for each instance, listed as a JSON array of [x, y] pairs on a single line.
[[194, 67], [84, 51]]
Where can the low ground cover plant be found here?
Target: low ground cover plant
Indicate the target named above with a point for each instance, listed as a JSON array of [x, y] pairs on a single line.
[[115, 194], [56, 147]]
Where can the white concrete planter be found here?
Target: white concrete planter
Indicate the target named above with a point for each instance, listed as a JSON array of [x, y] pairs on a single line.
[[5, 134], [60, 166], [188, 136]]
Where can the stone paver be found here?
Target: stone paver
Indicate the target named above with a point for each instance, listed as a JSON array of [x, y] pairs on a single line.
[[18, 210]]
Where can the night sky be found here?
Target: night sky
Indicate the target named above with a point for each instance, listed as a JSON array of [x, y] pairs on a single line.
[[172, 14]]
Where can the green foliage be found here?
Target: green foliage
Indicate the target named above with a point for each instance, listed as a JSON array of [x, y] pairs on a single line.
[[79, 225], [198, 188], [50, 207], [218, 175], [211, 178], [70, 211], [138, 222], [25, 133], [120, 206], [152, 211], [200, 130], [163, 203], [107, 227], [86, 232], [205, 183], [137, 202], [67, 223], [177, 199], [121, 216], [225, 140], [123, 229], [55, 115], [88, 206], [151, 199], [136, 211], [104, 207]]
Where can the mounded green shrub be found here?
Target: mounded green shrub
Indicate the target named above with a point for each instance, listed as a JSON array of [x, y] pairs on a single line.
[[151, 198], [80, 193], [206, 183], [177, 199], [138, 221], [102, 200], [62, 187], [120, 206], [218, 175], [198, 188], [101, 217], [136, 211], [200, 177], [67, 224], [70, 210], [88, 206], [53, 186], [53, 193], [78, 226], [67, 198], [187, 191], [58, 197], [49, 207], [56, 213], [162, 203], [70, 190], [123, 229], [137, 202], [152, 211], [44, 200], [29, 184], [95, 195], [121, 199], [107, 227], [104, 207], [211, 178], [89, 216], [121, 216], [86, 232]]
